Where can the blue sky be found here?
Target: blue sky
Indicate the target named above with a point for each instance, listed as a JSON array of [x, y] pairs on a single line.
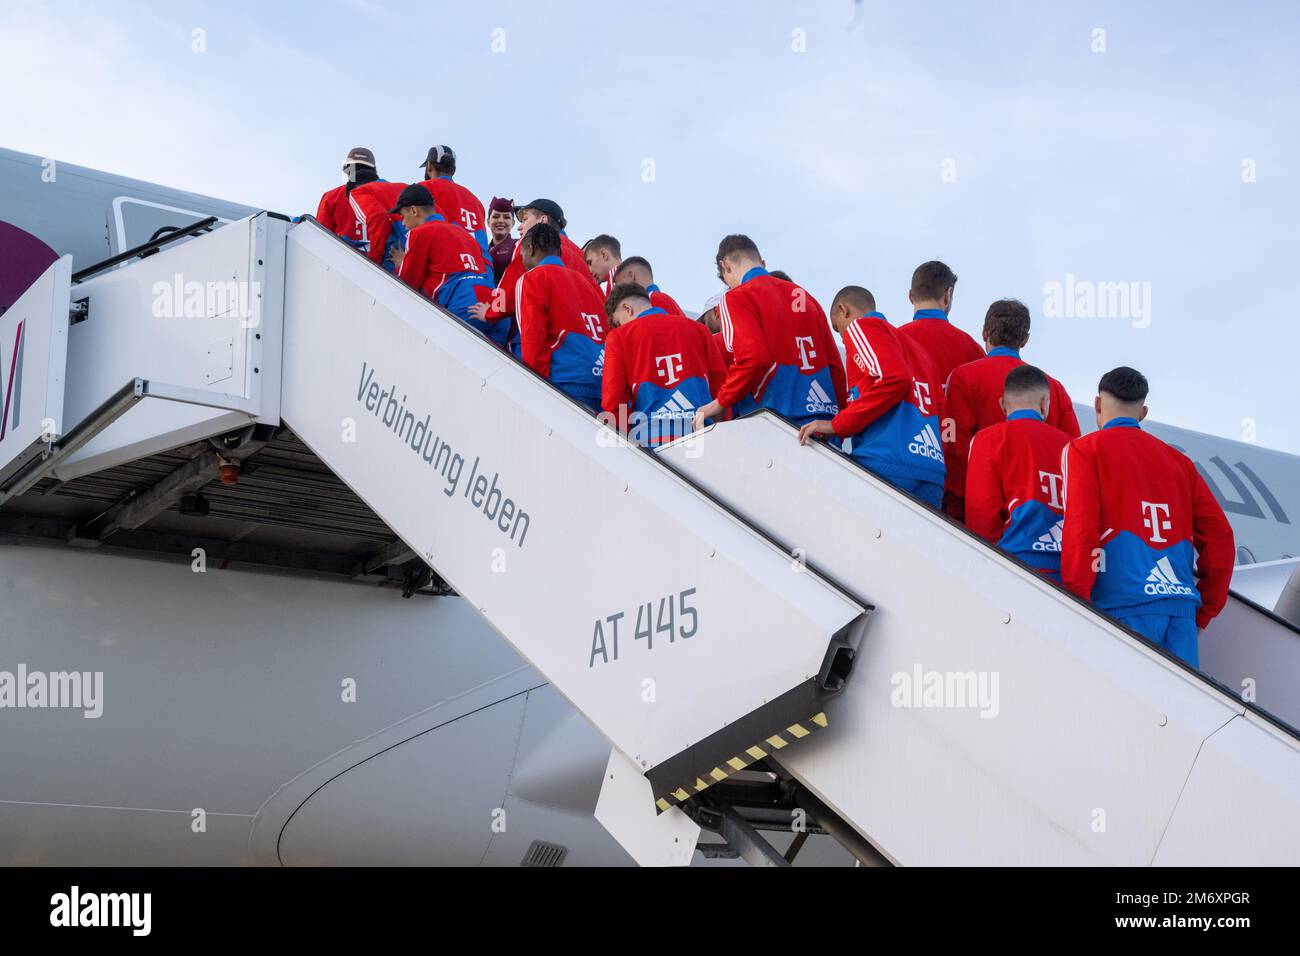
[[850, 141]]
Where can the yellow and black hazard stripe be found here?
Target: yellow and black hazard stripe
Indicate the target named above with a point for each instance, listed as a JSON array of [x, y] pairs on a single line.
[[771, 744]]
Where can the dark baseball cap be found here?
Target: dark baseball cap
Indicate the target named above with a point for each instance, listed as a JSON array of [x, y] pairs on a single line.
[[549, 207], [438, 155], [359, 156], [414, 195]]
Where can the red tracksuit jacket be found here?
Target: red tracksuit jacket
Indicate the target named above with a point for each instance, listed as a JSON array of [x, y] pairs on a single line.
[[561, 320], [727, 357], [336, 214], [785, 356], [1148, 510], [946, 344], [893, 433], [878, 373], [663, 366], [436, 249], [928, 385], [572, 258], [370, 203], [456, 204], [1014, 492], [971, 400]]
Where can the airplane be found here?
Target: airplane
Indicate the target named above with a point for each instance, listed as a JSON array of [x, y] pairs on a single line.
[[291, 708]]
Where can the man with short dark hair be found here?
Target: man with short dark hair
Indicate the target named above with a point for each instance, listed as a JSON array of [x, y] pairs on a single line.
[[784, 356], [334, 211], [931, 295], [974, 393], [501, 220], [444, 262], [659, 367], [1140, 524], [603, 255], [927, 386], [1014, 493], [534, 213], [636, 270], [561, 318], [455, 203], [893, 436]]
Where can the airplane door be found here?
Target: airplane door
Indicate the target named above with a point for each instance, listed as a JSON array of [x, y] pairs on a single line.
[[134, 221]]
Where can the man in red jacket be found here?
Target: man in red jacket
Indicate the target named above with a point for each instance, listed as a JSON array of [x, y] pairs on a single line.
[[889, 419], [853, 302], [974, 394], [444, 261], [635, 270], [561, 319], [454, 202], [335, 211], [659, 367], [785, 357], [929, 387], [603, 255], [535, 213], [382, 230], [1014, 492], [931, 295], [1140, 524]]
